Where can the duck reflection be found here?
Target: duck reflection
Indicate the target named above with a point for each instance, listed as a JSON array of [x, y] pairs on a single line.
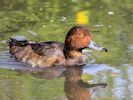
[[45, 73], [75, 88]]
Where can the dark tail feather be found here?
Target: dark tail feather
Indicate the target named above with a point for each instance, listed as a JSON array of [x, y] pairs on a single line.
[[12, 42]]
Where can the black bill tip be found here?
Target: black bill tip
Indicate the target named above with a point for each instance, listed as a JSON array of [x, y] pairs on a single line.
[[104, 49]]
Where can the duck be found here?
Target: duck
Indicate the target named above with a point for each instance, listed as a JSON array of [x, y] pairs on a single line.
[[53, 53]]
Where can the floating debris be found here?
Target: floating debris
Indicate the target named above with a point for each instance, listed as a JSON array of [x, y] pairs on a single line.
[[33, 33], [110, 26], [130, 47], [63, 19], [98, 25], [43, 25], [111, 13], [41, 9], [51, 21]]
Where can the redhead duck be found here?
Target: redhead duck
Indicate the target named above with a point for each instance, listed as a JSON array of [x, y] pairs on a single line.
[[48, 54]]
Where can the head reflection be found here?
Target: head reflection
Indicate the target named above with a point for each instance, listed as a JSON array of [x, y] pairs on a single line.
[[75, 88]]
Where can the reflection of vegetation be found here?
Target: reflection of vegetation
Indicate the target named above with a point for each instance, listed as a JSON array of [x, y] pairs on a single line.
[[82, 17], [25, 87], [115, 29]]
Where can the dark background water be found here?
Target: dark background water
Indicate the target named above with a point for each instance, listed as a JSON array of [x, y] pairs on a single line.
[[111, 23]]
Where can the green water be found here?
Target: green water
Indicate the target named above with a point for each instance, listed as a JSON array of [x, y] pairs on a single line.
[[111, 23]]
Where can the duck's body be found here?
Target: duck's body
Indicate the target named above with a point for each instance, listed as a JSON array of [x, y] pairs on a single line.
[[45, 54], [48, 54], [38, 54]]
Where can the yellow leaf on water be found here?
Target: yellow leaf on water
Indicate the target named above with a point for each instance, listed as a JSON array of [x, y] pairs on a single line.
[[82, 17]]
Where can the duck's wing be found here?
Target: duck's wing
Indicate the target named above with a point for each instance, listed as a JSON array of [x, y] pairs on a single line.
[[47, 48], [43, 48], [37, 54], [13, 42]]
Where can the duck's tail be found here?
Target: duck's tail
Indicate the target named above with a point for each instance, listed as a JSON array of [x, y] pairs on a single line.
[[13, 42]]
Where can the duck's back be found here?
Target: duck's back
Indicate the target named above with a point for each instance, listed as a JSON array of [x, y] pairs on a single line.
[[45, 54]]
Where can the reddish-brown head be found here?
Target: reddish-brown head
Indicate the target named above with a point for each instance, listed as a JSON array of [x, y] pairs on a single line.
[[78, 37]]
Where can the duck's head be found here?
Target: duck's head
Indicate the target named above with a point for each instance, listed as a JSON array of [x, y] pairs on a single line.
[[79, 37]]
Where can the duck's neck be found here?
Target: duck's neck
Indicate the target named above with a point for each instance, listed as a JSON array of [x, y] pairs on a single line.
[[73, 57], [73, 54]]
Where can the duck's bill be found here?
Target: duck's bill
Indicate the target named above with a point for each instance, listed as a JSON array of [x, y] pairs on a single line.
[[94, 46]]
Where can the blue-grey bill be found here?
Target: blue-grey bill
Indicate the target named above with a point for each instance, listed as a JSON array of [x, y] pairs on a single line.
[[94, 46]]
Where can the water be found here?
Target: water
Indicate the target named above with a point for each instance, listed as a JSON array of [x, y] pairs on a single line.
[[111, 23]]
